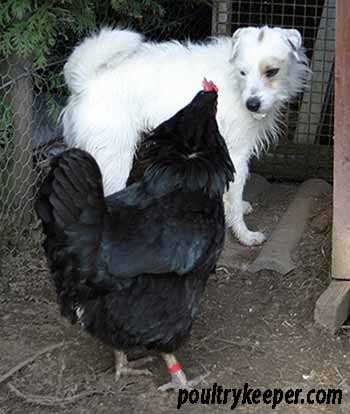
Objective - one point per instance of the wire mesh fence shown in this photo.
(29, 135)
(307, 142)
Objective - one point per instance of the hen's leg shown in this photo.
(178, 377)
(123, 367)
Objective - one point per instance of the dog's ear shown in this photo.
(294, 40)
(235, 41)
(236, 34)
(294, 37)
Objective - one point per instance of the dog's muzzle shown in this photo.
(253, 104)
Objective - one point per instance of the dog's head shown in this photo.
(270, 67)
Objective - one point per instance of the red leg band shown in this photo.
(174, 368)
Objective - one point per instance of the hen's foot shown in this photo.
(123, 367)
(178, 377)
(180, 382)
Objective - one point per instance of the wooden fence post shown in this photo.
(333, 307)
(20, 179)
(222, 17)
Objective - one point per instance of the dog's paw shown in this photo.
(252, 238)
(247, 207)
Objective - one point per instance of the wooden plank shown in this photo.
(222, 18)
(321, 65)
(333, 306)
(341, 194)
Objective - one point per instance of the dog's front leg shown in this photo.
(235, 207)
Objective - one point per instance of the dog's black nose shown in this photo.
(253, 103)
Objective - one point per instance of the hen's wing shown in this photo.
(171, 235)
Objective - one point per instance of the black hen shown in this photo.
(131, 268)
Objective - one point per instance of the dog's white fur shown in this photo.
(121, 85)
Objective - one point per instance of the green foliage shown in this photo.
(45, 31)
(31, 28)
(42, 30)
(36, 30)
(138, 9)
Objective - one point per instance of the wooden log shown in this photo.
(276, 253)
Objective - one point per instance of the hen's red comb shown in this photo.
(209, 86)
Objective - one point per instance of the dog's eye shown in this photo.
(271, 72)
(242, 72)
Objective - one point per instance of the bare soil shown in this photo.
(254, 328)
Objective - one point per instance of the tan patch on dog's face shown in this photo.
(264, 66)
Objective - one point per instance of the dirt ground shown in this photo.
(254, 328)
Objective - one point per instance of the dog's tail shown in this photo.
(106, 48)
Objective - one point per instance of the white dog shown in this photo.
(121, 85)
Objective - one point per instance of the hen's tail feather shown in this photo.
(71, 192)
(71, 207)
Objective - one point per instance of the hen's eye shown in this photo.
(270, 73)
(242, 72)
